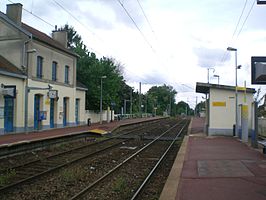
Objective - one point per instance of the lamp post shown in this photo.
(217, 76)
(236, 95)
(208, 78)
(101, 100)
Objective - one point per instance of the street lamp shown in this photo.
(208, 78)
(217, 76)
(101, 100)
(236, 95)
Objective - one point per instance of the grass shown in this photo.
(72, 175)
(4, 178)
(120, 185)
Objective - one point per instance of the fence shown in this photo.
(262, 126)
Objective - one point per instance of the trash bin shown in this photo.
(89, 122)
(234, 130)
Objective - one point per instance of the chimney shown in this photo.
(60, 36)
(14, 12)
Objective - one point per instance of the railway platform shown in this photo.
(18, 138)
(220, 168)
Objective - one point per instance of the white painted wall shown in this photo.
(95, 117)
(222, 118)
(18, 101)
(12, 48)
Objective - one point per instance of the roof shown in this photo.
(81, 86)
(37, 35)
(9, 21)
(42, 37)
(205, 88)
(7, 68)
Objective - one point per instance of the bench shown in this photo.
(263, 143)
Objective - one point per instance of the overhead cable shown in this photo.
(30, 12)
(128, 14)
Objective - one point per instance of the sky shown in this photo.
(158, 42)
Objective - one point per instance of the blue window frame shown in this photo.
(39, 66)
(67, 74)
(54, 71)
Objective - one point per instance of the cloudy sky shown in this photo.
(170, 42)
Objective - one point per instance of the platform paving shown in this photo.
(218, 168)
(10, 138)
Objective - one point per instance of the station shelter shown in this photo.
(221, 108)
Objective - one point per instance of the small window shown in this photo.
(39, 66)
(54, 71)
(67, 74)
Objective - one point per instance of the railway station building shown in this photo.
(37, 77)
(221, 112)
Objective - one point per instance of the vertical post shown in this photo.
(101, 101)
(196, 106)
(140, 99)
(131, 102)
(125, 106)
(236, 96)
(256, 124)
(208, 75)
(170, 106)
(26, 106)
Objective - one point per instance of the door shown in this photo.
(65, 111)
(77, 111)
(9, 114)
(51, 113)
(37, 104)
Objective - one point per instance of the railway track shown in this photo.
(146, 160)
(37, 168)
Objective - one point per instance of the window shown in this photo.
(54, 71)
(67, 74)
(39, 66)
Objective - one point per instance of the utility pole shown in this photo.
(196, 106)
(170, 106)
(140, 99)
(131, 102)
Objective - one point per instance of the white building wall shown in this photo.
(18, 102)
(63, 91)
(222, 118)
(80, 94)
(11, 43)
(12, 48)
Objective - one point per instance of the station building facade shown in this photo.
(42, 72)
(221, 112)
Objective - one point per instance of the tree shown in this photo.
(200, 107)
(90, 69)
(159, 98)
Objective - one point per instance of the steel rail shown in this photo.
(157, 164)
(70, 150)
(2, 189)
(79, 194)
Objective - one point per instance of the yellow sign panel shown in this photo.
(241, 88)
(245, 111)
(219, 103)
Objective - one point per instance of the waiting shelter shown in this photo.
(221, 109)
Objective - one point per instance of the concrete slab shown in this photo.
(222, 168)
